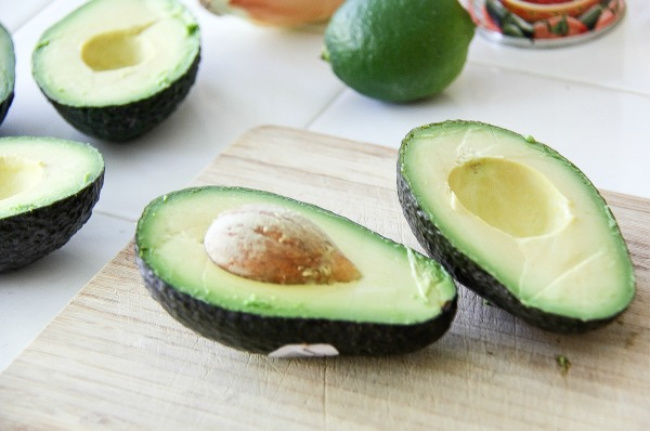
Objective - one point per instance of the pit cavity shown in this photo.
(115, 50)
(17, 175)
(510, 196)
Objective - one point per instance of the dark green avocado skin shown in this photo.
(123, 123)
(264, 334)
(472, 276)
(4, 106)
(29, 236)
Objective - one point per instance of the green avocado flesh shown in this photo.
(48, 188)
(116, 68)
(7, 72)
(398, 287)
(518, 223)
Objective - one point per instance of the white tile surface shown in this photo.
(604, 132)
(32, 296)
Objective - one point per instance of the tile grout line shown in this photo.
(324, 108)
(566, 80)
(114, 215)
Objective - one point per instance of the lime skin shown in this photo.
(398, 50)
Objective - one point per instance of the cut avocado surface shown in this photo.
(115, 69)
(48, 188)
(7, 72)
(389, 299)
(516, 222)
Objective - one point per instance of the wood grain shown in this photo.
(114, 360)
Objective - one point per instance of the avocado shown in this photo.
(258, 272)
(7, 72)
(48, 188)
(115, 69)
(516, 222)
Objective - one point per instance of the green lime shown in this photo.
(398, 50)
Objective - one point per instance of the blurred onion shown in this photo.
(283, 13)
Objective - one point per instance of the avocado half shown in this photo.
(115, 69)
(401, 302)
(516, 222)
(7, 72)
(48, 188)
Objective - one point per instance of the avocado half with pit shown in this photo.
(7, 72)
(516, 222)
(264, 273)
(48, 188)
(115, 69)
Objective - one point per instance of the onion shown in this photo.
(282, 13)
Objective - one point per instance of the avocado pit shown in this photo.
(272, 244)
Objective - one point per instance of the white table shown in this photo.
(591, 102)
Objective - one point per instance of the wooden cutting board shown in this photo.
(113, 359)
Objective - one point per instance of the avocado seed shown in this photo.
(273, 244)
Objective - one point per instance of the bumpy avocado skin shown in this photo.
(4, 106)
(6, 103)
(467, 272)
(29, 236)
(123, 123)
(264, 334)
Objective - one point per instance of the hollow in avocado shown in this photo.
(258, 272)
(115, 69)
(7, 72)
(48, 188)
(516, 222)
